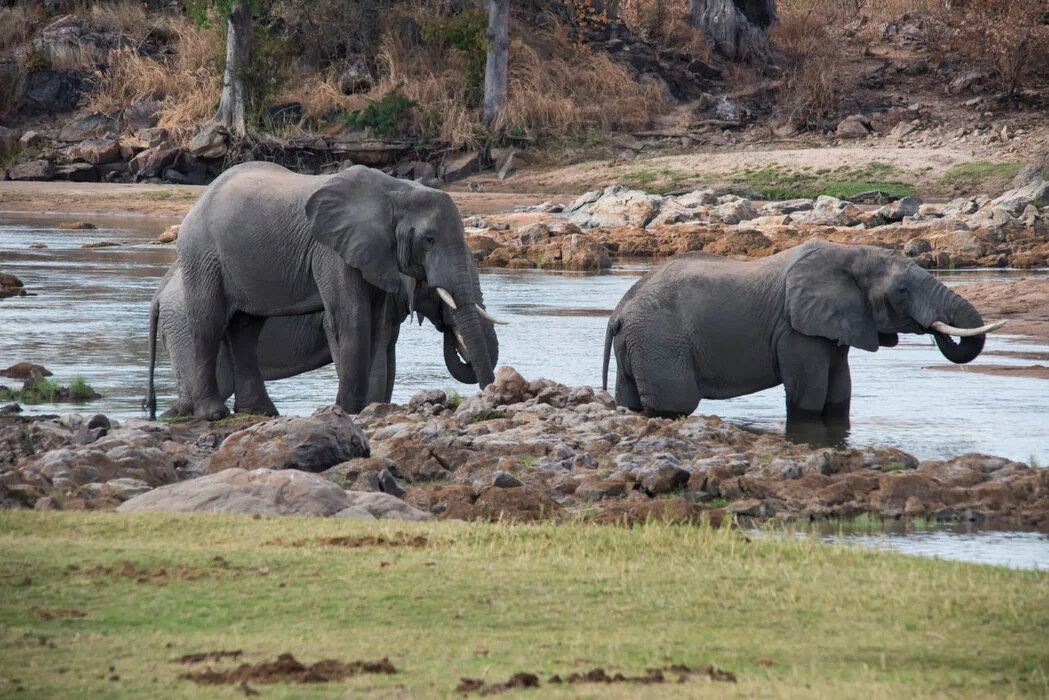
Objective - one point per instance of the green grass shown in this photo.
(780, 182)
(790, 616)
(980, 174)
(49, 391)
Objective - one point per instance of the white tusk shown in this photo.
(489, 317)
(966, 332)
(446, 298)
(462, 343)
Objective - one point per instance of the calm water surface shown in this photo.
(91, 316)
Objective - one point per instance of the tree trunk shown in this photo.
(734, 28)
(233, 105)
(498, 56)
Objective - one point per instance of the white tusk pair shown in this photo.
(447, 299)
(966, 332)
(462, 343)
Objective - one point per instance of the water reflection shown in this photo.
(91, 314)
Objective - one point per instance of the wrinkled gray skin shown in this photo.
(288, 345)
(705, 327)
(263, 241)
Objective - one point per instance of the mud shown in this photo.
(44, 615)
(200, 657)
(1031, 371)
(156, 576)
(286, 669)
(676, 673)
(398, 540)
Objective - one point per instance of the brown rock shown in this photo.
(578, 252)
(33, 170)
(97, 151)
(25, 370)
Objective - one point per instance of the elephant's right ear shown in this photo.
(353, 216)
(824, 300)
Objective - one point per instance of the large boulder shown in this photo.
(580, 253)
(97, 151)
(210, 143)
(313, 444)
(616, 207)
(1015, 201)
(142, 115)
(92, 126)
(152, 161)
(267, 492)
(33, 170)
(49, 92)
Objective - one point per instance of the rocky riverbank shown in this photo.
(519, 451)
(1011, 230)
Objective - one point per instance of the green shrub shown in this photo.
(389, 116)
(465, 33)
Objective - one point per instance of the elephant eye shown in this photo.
(430, 240)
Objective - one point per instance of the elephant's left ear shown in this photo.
(823, 299)
(353, 215)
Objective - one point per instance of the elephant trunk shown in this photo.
(959, 313)
(469, 323)
(461, 371)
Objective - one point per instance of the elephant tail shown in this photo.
(614, 324)
(150, 402)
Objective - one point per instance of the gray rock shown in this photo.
(313, 444)
(663, 478)
(915, 247)
(33, 170)
(425, 396)
(734, 212)
(50, 92)
(77, 172)
(142, 115)
(92, 126)
(1015, 201)
(152, 161)
(356, 78)
(97, 151)
(505, 480)
(381, 506)
(266, 492)
(534, 234)
(896, 211)
(584, 199)
(460, 165)
(127, 488)
(697, 198)
(618, 206)
(854, 127)
(211, 142)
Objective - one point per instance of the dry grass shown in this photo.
(16, 25)
(665, 23)
(125, 16)
(188, 85)
(815, 56)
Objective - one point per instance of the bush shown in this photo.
(813, 66)
(389, 116)
(1010, 37)
(464, 33)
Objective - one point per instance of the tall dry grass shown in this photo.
(16, 24)
(663, 22)
(188, 84)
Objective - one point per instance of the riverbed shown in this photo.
(90, 318)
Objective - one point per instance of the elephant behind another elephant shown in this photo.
(288, 345)
(706, 327)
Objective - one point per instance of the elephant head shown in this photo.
(864, 296)
(386, 227)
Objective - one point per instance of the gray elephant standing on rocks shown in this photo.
(263, 241)
(291, 345)
(705, 327)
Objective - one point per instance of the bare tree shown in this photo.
(233, 105)
(495, 69)
(734, 28)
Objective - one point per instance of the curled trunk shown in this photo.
(469, 324)
(460, 370)
(960, 313)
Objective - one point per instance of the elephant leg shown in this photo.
(347, 300)
(839, 388)
(249, 388)
(384, 335)
(208, 331)
(391, 362)
(804, 363)
(666, 389)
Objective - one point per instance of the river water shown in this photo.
(90, 317)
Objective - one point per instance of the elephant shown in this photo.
(263, 241)
(288, 345)
(705, 327)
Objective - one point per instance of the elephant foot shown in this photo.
(211, 409)
(257, 410)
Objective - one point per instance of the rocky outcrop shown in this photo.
(1010, 230)
(11, 286)
(313, 444)
(268, 492)
(518, 451)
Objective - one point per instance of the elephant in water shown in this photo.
(291, 345)
(705, 327)
(263, 242)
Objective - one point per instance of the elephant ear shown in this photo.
(353, 215)
(823, 299)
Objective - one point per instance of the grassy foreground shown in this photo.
(97, 605)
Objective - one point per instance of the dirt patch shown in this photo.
(398, 540)
(1018, 354)
(1031, 371)
(200, 657)
(286, 669)
(157, 576)
(677, 673)
(44, 615)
